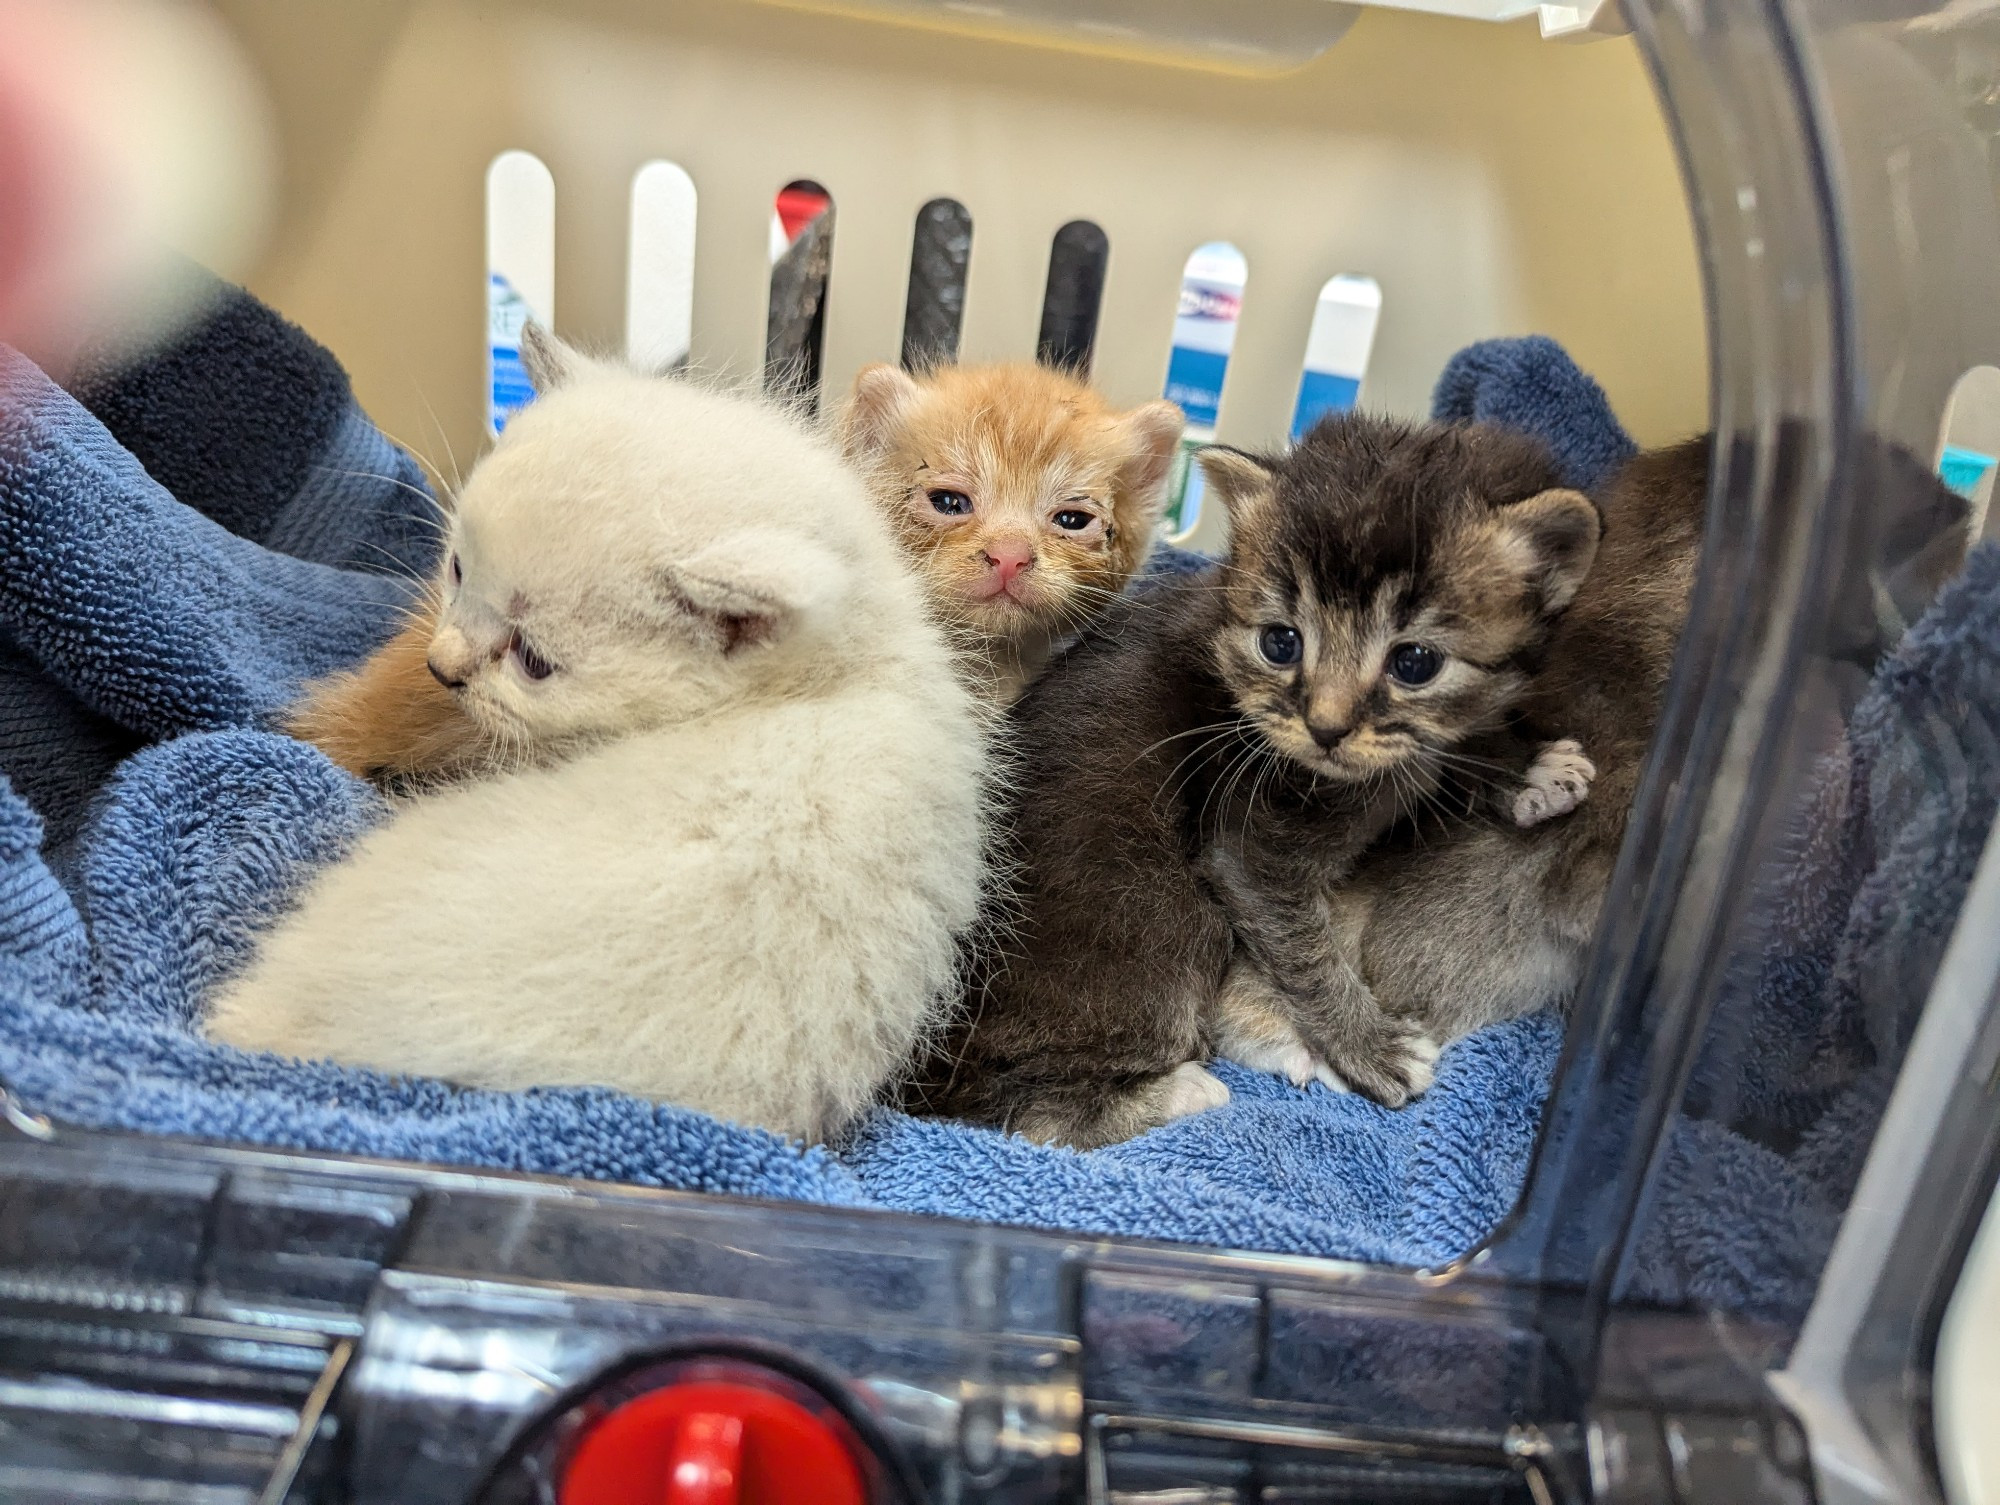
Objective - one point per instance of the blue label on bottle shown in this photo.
(509, 388)
(1962, 470)
(1194, 381)
(1320, 393)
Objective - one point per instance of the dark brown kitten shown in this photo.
(1200, 773)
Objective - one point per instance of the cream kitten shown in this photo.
(739, 883)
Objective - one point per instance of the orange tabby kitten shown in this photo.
(1026, 501)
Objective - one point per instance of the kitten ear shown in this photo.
(877, 406)
(1242, 480)
(1552, 537)
(1150, 435)
(753, 586)
(550, 362)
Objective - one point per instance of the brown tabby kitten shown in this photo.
(1202, 772)
(1026, 499)
(1454, 923)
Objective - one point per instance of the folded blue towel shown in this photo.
(1531, 384)
(249, 422)
(1854, 918)
(245, 418)
(165, 624)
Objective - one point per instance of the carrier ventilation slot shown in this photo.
(520, 274)
(801, 257)
(659, 267)
(934, 310)
(1969, 443)
(659, 309)
(1211, 306)
(1078, 258)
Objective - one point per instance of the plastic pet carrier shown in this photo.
(1732, 1253)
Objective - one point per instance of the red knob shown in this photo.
(709, 1442)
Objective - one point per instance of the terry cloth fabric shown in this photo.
(1851, 924)
(1531, 384)
(127, 616)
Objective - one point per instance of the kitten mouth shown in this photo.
(1343, 763)
(1004, 595)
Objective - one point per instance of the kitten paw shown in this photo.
(1556, 783)
(1191, 1088)
(1398, 1065)
(1328, 1078)
(1289, 1059)
(1424, 1053)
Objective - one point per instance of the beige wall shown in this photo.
(1493, 183)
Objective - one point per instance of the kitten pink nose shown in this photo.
(1010, 557)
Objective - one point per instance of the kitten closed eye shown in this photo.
(532, 663)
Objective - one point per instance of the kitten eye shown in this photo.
(951, 503)
(532, 663)
(457, 574)
(1414, 663)
(1280, 644)
(1074, 519)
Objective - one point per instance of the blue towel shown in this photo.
(246, 420)
(175, 631)
(1854, 917)
(1531, 384)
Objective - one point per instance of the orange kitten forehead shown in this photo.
(1022, 433)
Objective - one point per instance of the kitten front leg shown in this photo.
(1254, 1027)
(1297, 970)
(1258, 1026)
(1556, 783)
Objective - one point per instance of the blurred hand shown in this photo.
(131, 134)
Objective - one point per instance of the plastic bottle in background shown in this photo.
(1337, 349)
(520, 274)
(1204, 334)
(506, 313)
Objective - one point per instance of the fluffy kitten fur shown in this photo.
(740, 884)
(1061, 494)
(1186, 798)
(1454, 924)
(1027, 499)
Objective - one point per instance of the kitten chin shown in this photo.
(1027, 501)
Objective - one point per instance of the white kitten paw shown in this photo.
(1327, 1077)
(1556, 783)
(1192, 1088)
(1288, 1058)
(1422, 1067)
